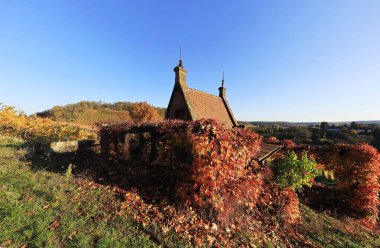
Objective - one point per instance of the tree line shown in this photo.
(325, 134)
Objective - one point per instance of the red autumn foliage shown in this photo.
(211, 168)
(287, 143)
(291, 211)
(356, 169)
(272, 140)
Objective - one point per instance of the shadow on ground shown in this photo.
(88, 162)
(157, 185)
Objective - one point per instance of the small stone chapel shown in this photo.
(190, 104)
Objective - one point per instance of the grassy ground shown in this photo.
(47, 209)
(43, 205)
(325, 231)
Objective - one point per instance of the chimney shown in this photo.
(222, 94)
(222, 90)
(180, 75)
(180, 72)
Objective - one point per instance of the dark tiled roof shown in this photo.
(209, 106)
(267, 150)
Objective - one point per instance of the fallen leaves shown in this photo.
(71, 235)
(6, 243)
(55, 224)
(186, 222)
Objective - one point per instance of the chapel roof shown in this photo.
(209, 106)
(267, 150)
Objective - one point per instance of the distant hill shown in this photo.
(92, 116)
(78, 112)
(292, 124)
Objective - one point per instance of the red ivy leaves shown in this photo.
(222, 179)
(356, 169)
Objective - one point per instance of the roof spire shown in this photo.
(223, 79)
(180, 64)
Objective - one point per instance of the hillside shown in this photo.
(92, 116)
(75, 111)
(45, 204)
(304, 124)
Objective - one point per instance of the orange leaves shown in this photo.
(143, 112)
(55, 224)
(132, 197)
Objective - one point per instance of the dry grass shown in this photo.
(92, 116)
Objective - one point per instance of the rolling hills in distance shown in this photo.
(89, 112)
(305, 124)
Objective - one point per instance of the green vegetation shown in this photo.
(323, 134)
(293, 172)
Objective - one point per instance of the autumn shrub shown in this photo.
(143, 112)
(286, 143)
(208, 167)
(357, 168)
(294, 172)
(272, 140)
(16, 123)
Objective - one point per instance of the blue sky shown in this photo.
(283, 60)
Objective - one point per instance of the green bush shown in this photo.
(293, 172)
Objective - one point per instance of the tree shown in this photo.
(376, 136)
(143, 112)
(293, 172)
(376, 133)
(324, 125)
(354, 125)
(316, 135)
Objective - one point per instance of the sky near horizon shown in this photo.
(283, 60)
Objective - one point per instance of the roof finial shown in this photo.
(180, 64)
(223, 80)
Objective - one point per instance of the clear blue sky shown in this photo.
(283, 60)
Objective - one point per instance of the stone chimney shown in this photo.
(222, 94)
(180, 76)
(222, 90)
(180, 72)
